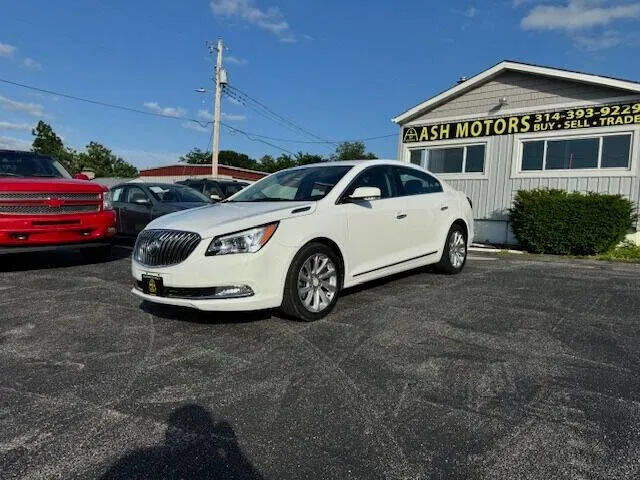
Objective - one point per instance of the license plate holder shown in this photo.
(152, 285)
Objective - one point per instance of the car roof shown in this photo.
(148, 184)
(351, 163)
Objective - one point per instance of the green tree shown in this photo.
(302, 158)
(196, 157)
(352, 151)
(47, 142)
(104, 163)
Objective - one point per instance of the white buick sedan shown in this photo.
(297, 238)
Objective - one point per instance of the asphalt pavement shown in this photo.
(518, 368)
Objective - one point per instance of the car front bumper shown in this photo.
(264, 273)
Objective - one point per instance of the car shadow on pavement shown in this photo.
(169, 312)
(195, 448)
(22, 262)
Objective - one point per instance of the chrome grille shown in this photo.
(47, 210)
(163, 248)
(19, 196)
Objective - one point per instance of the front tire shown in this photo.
(313, 283)
(454, 254)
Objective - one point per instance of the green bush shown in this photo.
(562, 223)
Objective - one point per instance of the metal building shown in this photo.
(519, 126)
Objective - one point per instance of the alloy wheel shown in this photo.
(457, 249)
(317, 282)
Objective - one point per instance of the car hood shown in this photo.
(49, 185)
(179, 206)
(221, 218)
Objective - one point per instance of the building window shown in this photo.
(610, 151)
(463, 159)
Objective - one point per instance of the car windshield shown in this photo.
(26, 164)
(232, 188)
(177, 194)
(299, 184)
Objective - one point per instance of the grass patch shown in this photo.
(627, 252)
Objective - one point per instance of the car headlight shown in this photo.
(246, 241)
(106, 202)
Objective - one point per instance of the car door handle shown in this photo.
(400, 216)
(444, 207)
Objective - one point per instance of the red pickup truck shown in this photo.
(42, 207)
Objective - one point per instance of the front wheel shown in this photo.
(313, 283)
(454, 255)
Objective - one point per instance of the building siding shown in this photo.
(522, 91)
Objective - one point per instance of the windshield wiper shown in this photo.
(7, 174)
(46, 175)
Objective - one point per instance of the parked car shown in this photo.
(42, 207)
(138, 203)
(216, 190)
(296, 238)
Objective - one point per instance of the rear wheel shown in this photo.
(454, 255)
(313, 283)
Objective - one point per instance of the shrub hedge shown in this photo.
(562, 223)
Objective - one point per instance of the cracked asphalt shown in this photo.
(518, 368)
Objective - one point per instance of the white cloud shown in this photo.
(471, 12)
(166, 111)
(205, 115)
(578, 15)
(12, 143)
(233, 118)
(208, 116)
(16, 126)
(196, 127)
(270, 19)
(32, 109)
(236, 60)
(31, 63)
(594, 43)
(6, 50)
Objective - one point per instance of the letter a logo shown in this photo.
(410, 135)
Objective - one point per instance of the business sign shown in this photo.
(571, 119)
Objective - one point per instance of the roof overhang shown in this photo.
(487, 75)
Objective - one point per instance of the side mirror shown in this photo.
(215, 197)
(142, 201)
(365, 194)
(80, 176)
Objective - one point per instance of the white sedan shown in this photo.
(297, 238)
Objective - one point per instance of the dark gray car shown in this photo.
(137, 203)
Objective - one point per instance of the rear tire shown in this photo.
(313, 283)
(454, 254)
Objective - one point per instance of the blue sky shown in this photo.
(341, 69)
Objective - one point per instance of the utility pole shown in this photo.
(216, 109)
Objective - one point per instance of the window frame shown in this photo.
(397, 172)
(458, 143)
(342, 198)
(629, 171)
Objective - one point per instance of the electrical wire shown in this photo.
(284, 119)
(251, 136)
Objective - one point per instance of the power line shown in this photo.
(251, 136)
(284, 119)
(137, 110)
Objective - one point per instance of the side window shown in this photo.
(378, 176)
(134, 194)
(117, 194)
(211, 188)
(415, 182)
